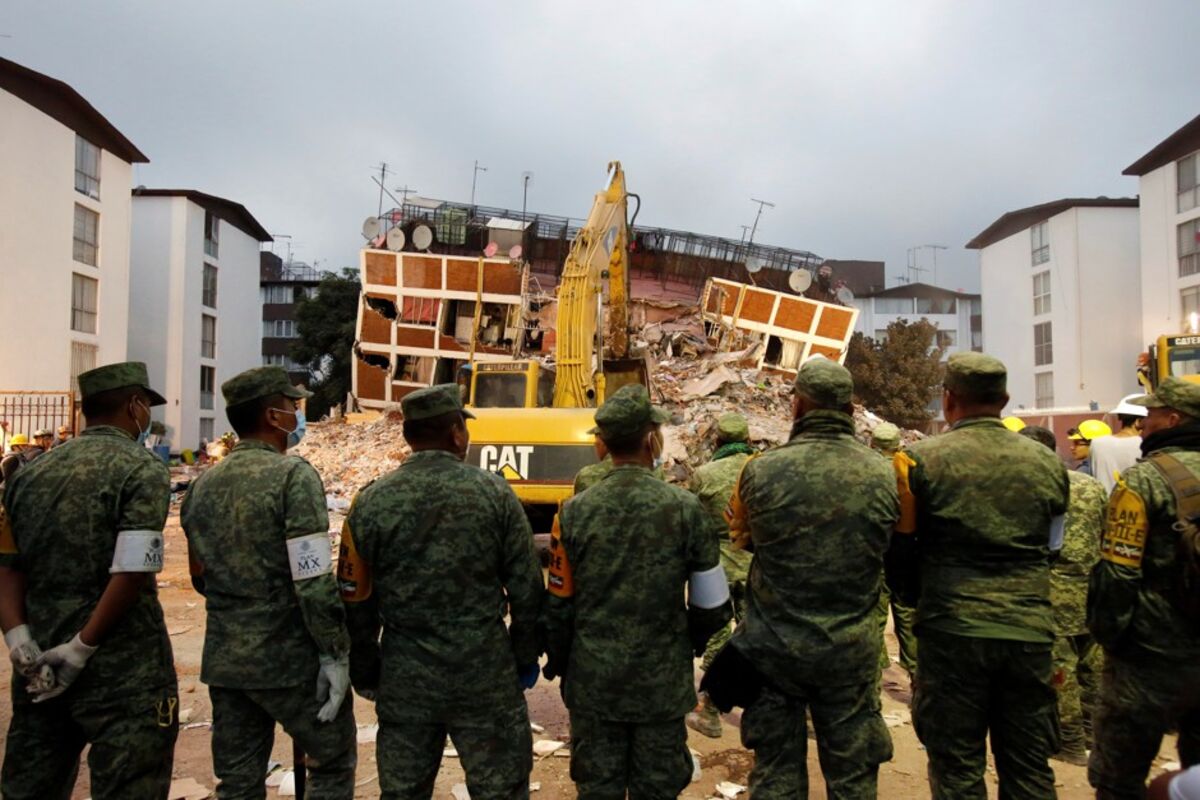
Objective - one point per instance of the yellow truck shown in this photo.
(1170, 355)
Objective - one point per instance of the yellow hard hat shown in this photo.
(1088, 430)
(18, 439)
(1014, 424)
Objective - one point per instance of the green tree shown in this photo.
(897, 377)
(325, 324)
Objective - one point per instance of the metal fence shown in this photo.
(26, 412)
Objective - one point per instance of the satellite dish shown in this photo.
(515, 252)
(491, 249)
(395, 239)
(799, 281)
(845, 295)
(422, 237)
(754, 265)
(370, 228)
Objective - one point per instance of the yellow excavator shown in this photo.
(1170, 355)
(532, 420)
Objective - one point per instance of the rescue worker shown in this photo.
(713, 484)
(1112, 455)
(617, 627)
(77, 576)
(811, 628)
(43, 438)
(590, 475)
(435, 552)
(276, 649)
(64, 436)
(21, 453)
(981, 510)
(1078, 660)
(1144, 604)
(885, 439)
(1081, 442)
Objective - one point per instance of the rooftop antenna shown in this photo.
(526, 179)
(404, 193)
(744, 229)
(754, 227)
(383, 171)
(935, 248)
(475, 174)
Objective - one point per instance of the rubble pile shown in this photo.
(349, 457)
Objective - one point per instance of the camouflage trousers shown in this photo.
(737, 593)
(852, 741)
(1138, 703)
(902, 619)
(968, 688)
(495, 749)
(243, 734)
(649, 760)
(1078, 661)
(132, 746)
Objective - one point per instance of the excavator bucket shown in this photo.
(620, 372)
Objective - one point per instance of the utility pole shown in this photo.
(474, 174)
(754, 228)
(526, 177)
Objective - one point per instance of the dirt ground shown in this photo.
(721, 759)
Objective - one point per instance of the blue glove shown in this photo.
(527, 675)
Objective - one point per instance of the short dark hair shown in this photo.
(1128, 420)
(1040, 434)
(433, 431)
(979, 398)
(625, 445)
(245, 418)
(108, 403)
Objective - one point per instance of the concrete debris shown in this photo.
(287, 786)
(533, 726)
(545, 747)
(459, 790)
(729, 789)
(185, 715)
(535, 786)
(895, 719)
(275, 776)
(349, 457)
(367, 733)
(696, 772)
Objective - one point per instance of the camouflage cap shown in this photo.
(433, 401)
(886, 435)
(260, 382)
(825, 382)
(1175, 393)
(41, 433)
(117, 376)
(733, 428)
(627, 412)
(976, 373)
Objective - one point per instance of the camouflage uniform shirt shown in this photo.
(814, 585)
(66, 509)
(436, 552)
(1080, 551)
(632, 542)
(264, 630)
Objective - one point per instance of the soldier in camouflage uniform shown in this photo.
(435, 552)
(1151, 680)
(275, 646)
(713, 484)
(618, 630)
(885, 439)
(818, 513)
(1077, 658)
(590, 475)
(77, 567)
(981, 510)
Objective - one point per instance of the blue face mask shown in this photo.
(297, 433)
(144, 434)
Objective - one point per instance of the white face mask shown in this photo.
(656, 449)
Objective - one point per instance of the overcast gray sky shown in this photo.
(872, 126)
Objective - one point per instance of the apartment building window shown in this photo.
(1187, 171)
(279, 329)
(285, 295)
(212, 234)
(1040, 243)
(83, 303)
(208, 336)
(1189, 303)
(419, 310)
(208, 379)
(1189, 247)
(893, 305)
(1041, 293)
(83, 358)
(87, 167)
(1043, 389)
(947, 339)
(1043, 344)
(276, 360)
(206, 429)
(209, 295)
(87, 235)
(937, 305)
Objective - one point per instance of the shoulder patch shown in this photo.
(353, 573)
(1125, 528)
(561, 579)
(903, 463)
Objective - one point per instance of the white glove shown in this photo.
(332, 683)
(24, 653)
(67, 661)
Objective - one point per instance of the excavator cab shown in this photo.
(516, 384)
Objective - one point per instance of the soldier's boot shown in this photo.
(1072, 754)
(705, 719)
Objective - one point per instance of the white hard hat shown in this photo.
(1129, 409)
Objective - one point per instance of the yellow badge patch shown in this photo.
(354, 574)
(1125, 528)
(903, 463)
(562, 580)
(8, 545)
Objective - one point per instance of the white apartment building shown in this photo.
(955, 314)
(1062, 305)
(1169, 183)
(194, 282)
(65, 179)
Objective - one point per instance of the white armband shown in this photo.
(1057, 529)
(138, 551)
(708, 589)
(310, 556)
